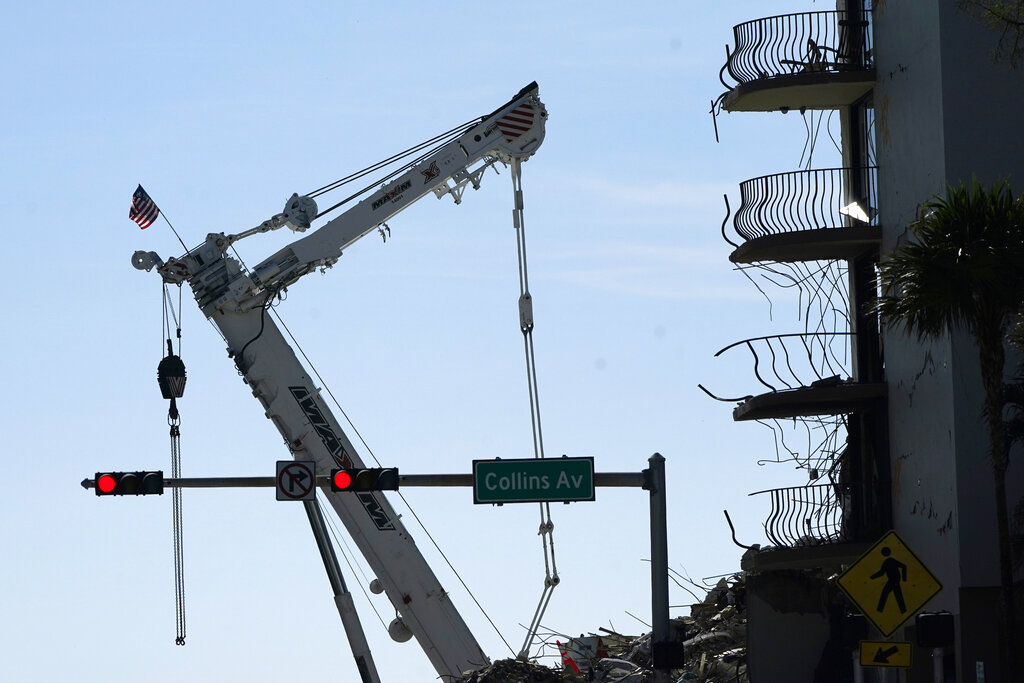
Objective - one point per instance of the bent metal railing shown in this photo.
(807, 200)
(798, 360)
(808, 515)
(800, 43)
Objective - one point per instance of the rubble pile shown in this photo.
(714, 639)
(716, 635)
(516, 671)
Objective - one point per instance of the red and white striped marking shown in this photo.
(517, 121)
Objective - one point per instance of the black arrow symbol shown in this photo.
(882, 656)
(296, 479)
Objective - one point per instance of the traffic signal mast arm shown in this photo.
(236, 302)
(610, 479)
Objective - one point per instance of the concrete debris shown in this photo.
(714, 639)
(716, 635)
(516, 671)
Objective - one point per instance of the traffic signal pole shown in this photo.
(603, 479)
(342, 597)
(666, 654)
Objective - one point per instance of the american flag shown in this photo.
(144, 210)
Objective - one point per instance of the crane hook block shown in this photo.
(170, 375)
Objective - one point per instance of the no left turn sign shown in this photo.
(296, 480)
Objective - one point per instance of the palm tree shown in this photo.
(1006, 17)
(964, 269)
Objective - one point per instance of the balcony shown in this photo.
(814, 215)
(807, 515)
(813, 60)
(810, 526)
(803, 374)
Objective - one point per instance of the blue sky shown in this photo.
(222, 112)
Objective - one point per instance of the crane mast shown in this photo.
(237, 302)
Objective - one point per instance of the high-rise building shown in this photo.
(895, 437)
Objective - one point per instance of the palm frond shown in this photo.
(964, 265)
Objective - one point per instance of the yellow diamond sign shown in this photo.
(889, 584)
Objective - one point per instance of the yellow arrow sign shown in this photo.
(889, 584)
(885, 653)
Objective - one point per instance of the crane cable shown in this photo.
(547, 527)
(443, 138)
(174, 421)
(369, 451)
(438, 141)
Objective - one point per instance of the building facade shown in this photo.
(899, 438)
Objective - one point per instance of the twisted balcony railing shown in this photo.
(806, 200)
(808, 515)
(790, 361)
(800, 43)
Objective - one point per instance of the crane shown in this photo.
(237, 301)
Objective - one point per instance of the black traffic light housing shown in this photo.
(365, 479)
(129, 483)
(935, 629)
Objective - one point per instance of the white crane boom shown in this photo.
(236, 301)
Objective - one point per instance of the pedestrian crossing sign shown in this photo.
(889, 584)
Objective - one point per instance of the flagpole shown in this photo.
(163, 215)
(143, 209)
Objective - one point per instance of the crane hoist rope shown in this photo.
(171, 378)
(440, 139)
(547, 527)
(412, 511)
(350, 559)
(526, 317)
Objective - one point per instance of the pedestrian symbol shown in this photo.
(895, 573)
(889, 584)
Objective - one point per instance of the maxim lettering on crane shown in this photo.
(392, 195)
(376, 512)
(333, 444)
(323, 428)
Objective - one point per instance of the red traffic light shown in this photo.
(105, 483)
(129, 483)
(365, 479)
(341, 481)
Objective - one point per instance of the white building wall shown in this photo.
(909, 139)
(944, 113)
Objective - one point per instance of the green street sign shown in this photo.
(533, 480)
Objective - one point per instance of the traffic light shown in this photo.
(129, 483)
(365, 479)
